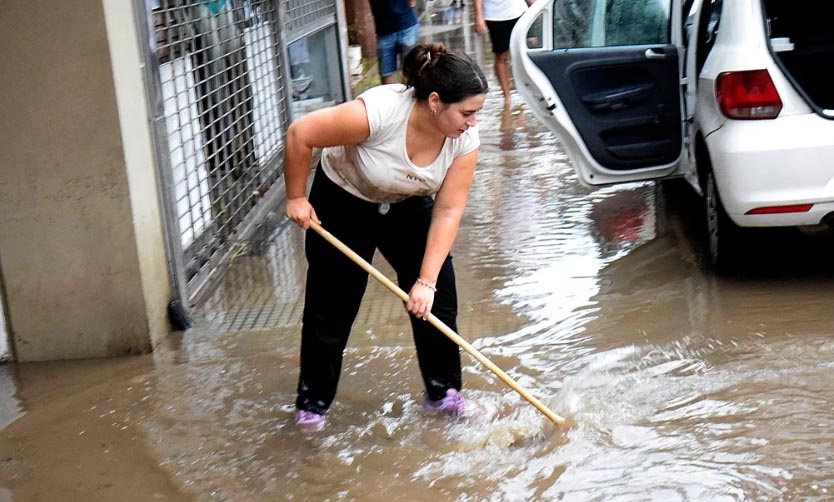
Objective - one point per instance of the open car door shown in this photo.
(605, 76)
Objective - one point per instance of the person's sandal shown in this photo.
(309, 421)
(455, 405)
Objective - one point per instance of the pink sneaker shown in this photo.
(455, 405)
(309, 421)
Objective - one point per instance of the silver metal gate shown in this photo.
(219, 93)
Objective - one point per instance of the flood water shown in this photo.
(676, 384)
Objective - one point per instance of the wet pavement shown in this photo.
(677, 384)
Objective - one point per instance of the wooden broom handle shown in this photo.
(437, 323)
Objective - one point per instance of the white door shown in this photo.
(605, 76)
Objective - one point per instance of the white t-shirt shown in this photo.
(378, 169)
(503, 10)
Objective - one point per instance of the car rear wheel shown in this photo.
(722, 233)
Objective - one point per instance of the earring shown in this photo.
(433, 112)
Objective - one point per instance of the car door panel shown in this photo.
(617, 107)
(624, 106)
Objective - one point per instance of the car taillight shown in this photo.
(748, 95)
(794, 208)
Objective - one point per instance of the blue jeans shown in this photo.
(389, 47)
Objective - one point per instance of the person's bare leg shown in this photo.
(502, 72)
(390, 79)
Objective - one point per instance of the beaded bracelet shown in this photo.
(429, 285)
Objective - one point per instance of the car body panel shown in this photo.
(775, 163)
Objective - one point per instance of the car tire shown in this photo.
(722, 240)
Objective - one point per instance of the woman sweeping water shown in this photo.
(395, 171)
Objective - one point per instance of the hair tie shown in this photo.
(426, 63)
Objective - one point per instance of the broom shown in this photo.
(437, 323)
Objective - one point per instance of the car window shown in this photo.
(610, 23)
(707, 31)
(688, 25)
(688, 21)
(534, 34)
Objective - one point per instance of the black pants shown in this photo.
(335, 286)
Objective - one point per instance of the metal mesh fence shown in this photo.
(299, 15)
(225, 110)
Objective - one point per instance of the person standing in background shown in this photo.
(396, 32)
(499, 17)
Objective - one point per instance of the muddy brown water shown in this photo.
(677, 384)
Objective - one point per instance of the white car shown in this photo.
(734, 95)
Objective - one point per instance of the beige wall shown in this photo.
(81, 245)
(4, 340)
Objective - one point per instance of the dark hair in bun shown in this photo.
(431, 68)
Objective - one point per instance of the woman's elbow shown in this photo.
(296, 139)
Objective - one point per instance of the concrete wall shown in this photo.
(81, 246)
